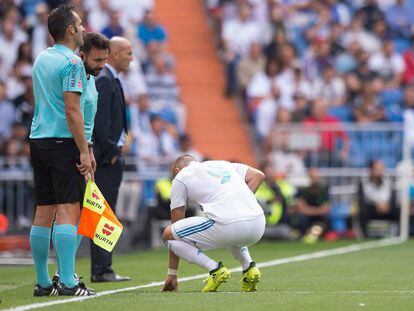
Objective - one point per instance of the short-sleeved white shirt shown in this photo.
(386, 66)
(220, 189)
(240, 35)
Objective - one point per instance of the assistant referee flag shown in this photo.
(98, 222)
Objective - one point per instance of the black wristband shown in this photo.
(90, 145)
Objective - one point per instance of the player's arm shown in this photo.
(253, 177)
(176, 215)
(171, 282)
(75, 120)
(76, 126)
(72, 87)
(89, 117)
(178, 201)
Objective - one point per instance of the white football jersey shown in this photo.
(220, 189)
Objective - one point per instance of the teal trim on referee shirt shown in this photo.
(56, 70)
(195, 229)
(90, 100)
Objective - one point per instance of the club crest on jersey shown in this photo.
(219, 173)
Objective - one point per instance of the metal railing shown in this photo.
(343, 144)
(343, 151)
(17, 187)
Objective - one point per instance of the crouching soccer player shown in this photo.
(233, 219)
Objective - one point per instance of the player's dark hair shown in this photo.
(60, 19)
(94, 40)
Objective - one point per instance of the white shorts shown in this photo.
(206, 234)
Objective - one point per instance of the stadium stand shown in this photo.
(351, 54)
(324, 84)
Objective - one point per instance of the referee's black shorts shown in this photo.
(57, 180)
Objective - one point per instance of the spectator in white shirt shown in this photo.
(250, 65)
(358, 33)
(388, 64)
(10, 38)
(140, 124)
(40, 34)
(331, 87)
(238, 35)
(261, 83)
(291, 83)
(158, 148)
(15, 85)
(7, 114)
(266, 112)
(98, 16)
(161, 82)
(132, 11)
(133, 82)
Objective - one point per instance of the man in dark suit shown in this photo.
(109, 136)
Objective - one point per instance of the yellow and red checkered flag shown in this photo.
(98, 222)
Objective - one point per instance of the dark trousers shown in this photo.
(108, 179)
(368, 212)
(304, 223)
(231, 73)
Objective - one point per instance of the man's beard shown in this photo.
(91, 71)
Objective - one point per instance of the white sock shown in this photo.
(241, 254)
(192, 254)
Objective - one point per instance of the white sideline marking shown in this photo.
(277, 262)
(350, 292)
(333, 292)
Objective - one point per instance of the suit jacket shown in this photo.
(110, 118)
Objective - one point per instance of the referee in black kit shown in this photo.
(109, 136)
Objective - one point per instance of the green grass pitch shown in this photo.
(375, 279)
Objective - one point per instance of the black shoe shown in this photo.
(77, 290)
(77, 280)
(56, 278)
(83, 285)
(109, 277)
(52, 290)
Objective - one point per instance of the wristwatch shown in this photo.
(90, 145)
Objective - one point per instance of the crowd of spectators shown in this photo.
(353, 59)
(310, 75)
(155, 113)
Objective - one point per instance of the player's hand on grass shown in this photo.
(85, 166)
(170, 284)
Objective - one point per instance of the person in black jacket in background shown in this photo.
(109, 136)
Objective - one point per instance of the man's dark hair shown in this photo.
(372, 163)
(184, 138)
(94, 40)
(60, 19)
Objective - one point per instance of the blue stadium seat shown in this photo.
(394, 113)
(401, 44)
(391, 97)
(344, 113)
